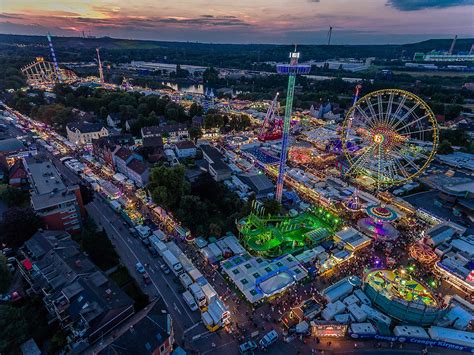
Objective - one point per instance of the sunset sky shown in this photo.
(243, 21)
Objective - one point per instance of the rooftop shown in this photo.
(85, 127)
(152, 326)
(137, 166)
(43, 175)
(185, 145)
(75, 285)
(155, 130)
(10, 145)
(257, 182)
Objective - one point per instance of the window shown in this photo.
(244, 281)
(248, 266)
(256, 275)
(279, 264)
(268, 269)
(235, 271)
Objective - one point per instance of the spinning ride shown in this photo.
(402, 297)
(397, 134)
(378, 224)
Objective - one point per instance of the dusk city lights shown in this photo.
(236, 177)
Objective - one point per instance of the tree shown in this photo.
(5, 276)
(215, 230)
(87, 194)
(14, 326)
(210, 76)
(445, 147)
(14, 197)
(195, 110)
(272, 207)
(167, 185)
(192, 211)
(195, 133)
(14, 236)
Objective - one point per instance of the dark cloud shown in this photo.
(10, 16)
(205, 20)
(414, 5)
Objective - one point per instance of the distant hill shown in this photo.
(235, 55)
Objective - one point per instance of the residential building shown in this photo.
(152, 149)
(138, 172)
(173, 132)
(104, 148)
(60, 206)
(17, 175)
(153, 326)
(113, 120)
(85, 302)
(122, 157)
(215, 165)
(131, 165)
(185, 149)
(81, 133)
(129, 124)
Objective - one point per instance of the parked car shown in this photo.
(248, 348)
(140, 268)
(268, 339)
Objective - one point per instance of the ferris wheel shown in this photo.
(395, 135)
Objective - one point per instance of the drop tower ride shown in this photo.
(291, 70)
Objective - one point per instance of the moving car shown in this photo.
(140, 268)
(165, 269)
(146, 279)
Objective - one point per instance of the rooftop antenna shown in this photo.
(56, 66)
(329, 35)
(101, 71)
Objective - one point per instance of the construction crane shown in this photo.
(291, 70)
(270, 129)
(452, 45)
(56, 66)
(329, 35)
(101, 71)
(471, 51)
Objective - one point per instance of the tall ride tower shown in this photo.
(291, 70)
(53, 56)
(101, 70)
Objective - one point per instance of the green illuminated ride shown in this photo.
(272, 236)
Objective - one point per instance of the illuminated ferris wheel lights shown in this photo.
(393, 126)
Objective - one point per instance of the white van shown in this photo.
(190, 301)
(186, 281)
(199, 296)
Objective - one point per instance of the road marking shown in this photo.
(176, 308)
(192, 327)
(220, 346)
(197, 336)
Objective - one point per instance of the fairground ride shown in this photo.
(291, 70)
(397, 133)
(272, 236)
